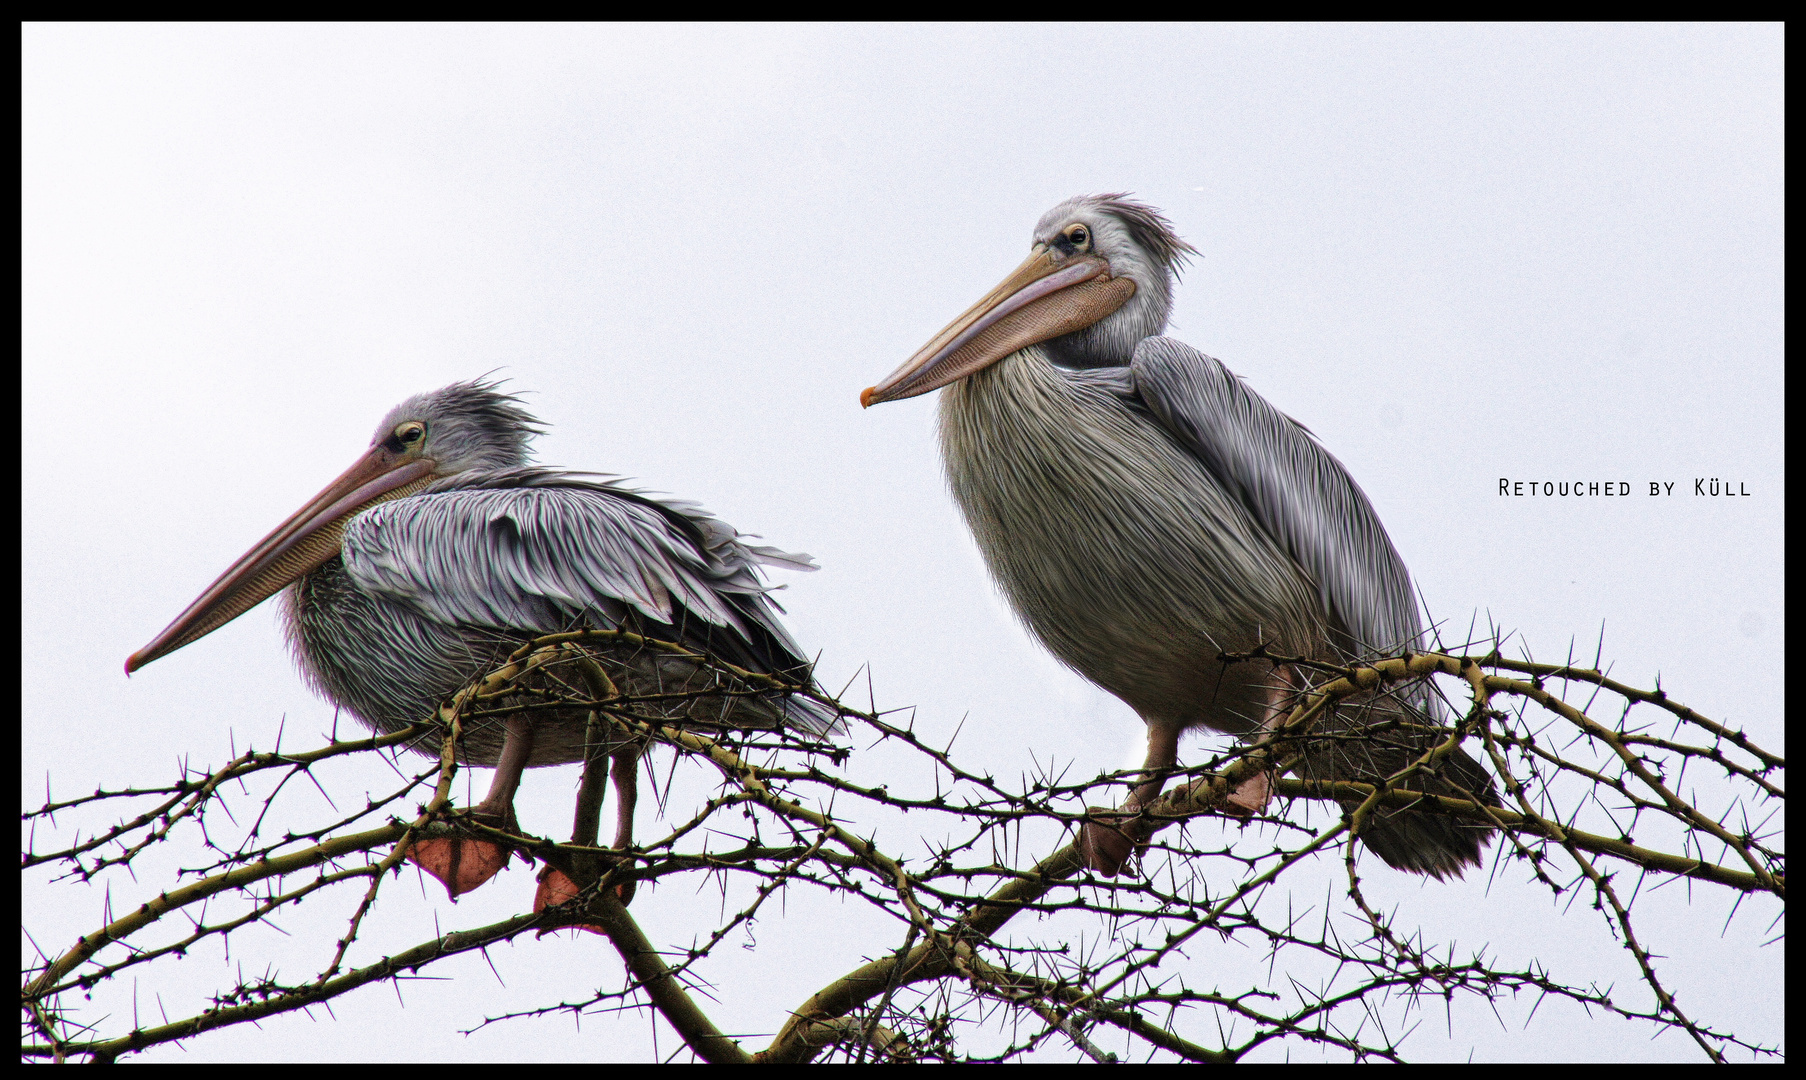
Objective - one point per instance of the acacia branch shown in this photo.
(954, 965)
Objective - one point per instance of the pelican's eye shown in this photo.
(1078, 236)
(410, 434)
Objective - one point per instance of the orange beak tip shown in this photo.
(865, 397)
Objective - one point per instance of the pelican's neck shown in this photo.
(1027, 403)
(1012, 419)
(1025, 383)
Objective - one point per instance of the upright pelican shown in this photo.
(440, 550)
(1146, 512)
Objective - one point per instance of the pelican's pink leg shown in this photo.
(627, 793)
(1107, 848)
(1252, 795)
(463, 865)
(555, 886)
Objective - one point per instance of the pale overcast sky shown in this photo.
(1457, 254)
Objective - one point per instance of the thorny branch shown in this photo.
(1106, 956)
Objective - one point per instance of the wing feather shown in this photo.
(1295, 488)
(538, 551)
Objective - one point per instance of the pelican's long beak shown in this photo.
(1046, 297)
(300, 544)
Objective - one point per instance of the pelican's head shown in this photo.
(1098, 279)
(464, 427)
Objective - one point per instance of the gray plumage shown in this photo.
(1144, 511)
(436, 588)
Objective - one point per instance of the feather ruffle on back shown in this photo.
(511, 553)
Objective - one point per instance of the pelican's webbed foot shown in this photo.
(462, 864)
(556, 887)
(1105, 842)
(1251, 796)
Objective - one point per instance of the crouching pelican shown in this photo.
(441, 550)
(1145, 512)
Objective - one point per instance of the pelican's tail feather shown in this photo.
(1372, 741)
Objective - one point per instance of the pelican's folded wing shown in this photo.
(543, 551)
(1295, 488)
